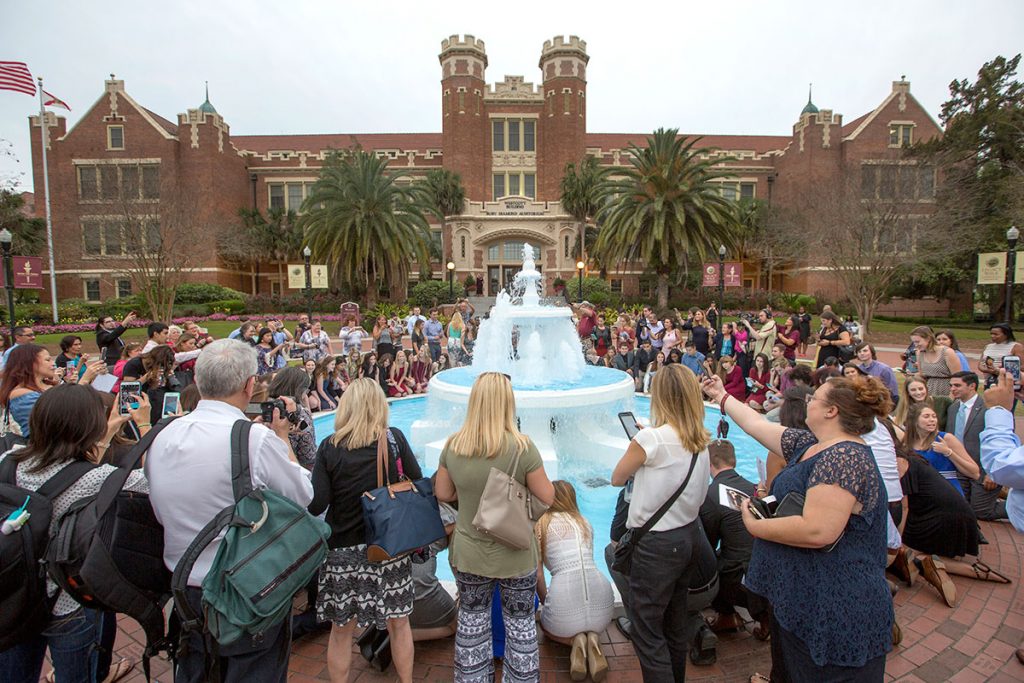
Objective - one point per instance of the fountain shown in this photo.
(567, 407)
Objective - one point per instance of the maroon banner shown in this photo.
(733, 274)
(28, 272)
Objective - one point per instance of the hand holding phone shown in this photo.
(1012, 366)
(127, 396)
(629, 424)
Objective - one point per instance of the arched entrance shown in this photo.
(503, 259)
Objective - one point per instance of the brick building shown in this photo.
(509, 140)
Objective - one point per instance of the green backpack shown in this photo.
(271, 550)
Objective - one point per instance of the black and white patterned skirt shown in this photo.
(370, 592)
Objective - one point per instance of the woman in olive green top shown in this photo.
(489, 438)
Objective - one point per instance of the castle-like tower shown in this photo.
(464, 124)
(563, 63)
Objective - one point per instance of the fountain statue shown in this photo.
(567, 407)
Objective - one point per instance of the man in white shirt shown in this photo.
(410, 320)
(157, 333)
(189, 472)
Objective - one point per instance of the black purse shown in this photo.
(622, 560)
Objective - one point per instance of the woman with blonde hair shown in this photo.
(915, 390)
(669, 458)
(353, 590)
(489, 438)
(578, 605)
(456, 340)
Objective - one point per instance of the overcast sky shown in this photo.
(348, 67)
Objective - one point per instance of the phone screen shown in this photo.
(172, 401)
(124, 396)
(1012, 366)
(628, 421)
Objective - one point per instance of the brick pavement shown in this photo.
(972, 642)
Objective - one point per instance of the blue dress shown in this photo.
(943, 464)
(21, 408)
(837, 603)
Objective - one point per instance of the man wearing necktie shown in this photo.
(966, 414)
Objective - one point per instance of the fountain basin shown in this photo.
(595, 386)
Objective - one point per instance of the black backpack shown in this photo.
(107, 552)
(24, 606)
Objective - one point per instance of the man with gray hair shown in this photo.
(189, 471)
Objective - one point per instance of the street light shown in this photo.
(721, 286)
(306, 253)
(580, 265)
(451, 279)
(5, 242)
(1011, 266)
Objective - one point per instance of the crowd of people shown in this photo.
(875, 480)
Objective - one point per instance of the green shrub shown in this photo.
(430, 293)
(201, 293)
(595, 290)
(229, 306)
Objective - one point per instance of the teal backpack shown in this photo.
(271, 550)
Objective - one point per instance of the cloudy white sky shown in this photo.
(306, 66)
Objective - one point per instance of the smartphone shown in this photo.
(172, 402)
(1012, 366)
(628, 421)
(124, 396)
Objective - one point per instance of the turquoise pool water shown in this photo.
(592, 377)
(595, 495)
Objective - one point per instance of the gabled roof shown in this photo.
(262, 144)
(170, 127)
(167, 129)
(853, 125)
(760, 144)
(854, 128)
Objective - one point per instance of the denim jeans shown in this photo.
(659, 583)
(72, 640)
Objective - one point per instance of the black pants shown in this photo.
(792, 663)
(659, 582)
(731, 593)
(246, 661)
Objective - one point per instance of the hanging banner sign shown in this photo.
(28, 272)
(992, 268)
(733, 274)
(297, 276)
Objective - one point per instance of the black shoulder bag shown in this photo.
(623, 559)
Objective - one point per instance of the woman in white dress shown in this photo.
(579, 603)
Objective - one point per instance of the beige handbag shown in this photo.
(508, 511)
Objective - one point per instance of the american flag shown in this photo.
(16, 76)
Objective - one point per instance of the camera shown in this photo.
(748, 317)
(267, 413)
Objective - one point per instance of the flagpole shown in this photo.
(46, 192)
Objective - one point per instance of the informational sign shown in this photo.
(733, 274)
(297, 276)
(992, 268)
(350, 308)
(28, 272)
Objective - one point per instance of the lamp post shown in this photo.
(451, 279)
(306, 253)
(721, 286)
(5, 243)
(1011, 267)
(580, 265)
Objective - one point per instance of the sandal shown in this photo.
(983, 572)
(118, 671)
(760, 678)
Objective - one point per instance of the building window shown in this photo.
(115, 137)
(118, 236)
(499, 135)
(294, 196)
(747, 190)
(616, 285)
(734, 191)
(289, 196)
(462, 245)
(901, 134)
(277, 196)
(901, 182)
(92, 290)
(130, 182)
(513, 135)
(515, 185)
(124, 288)
(566, 253)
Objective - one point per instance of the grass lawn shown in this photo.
(218, 328)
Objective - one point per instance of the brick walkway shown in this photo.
(973, 642)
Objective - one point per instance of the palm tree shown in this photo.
(365, 224)
(581, 196)
(665, 208)
(29, 233)
(445, 196)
